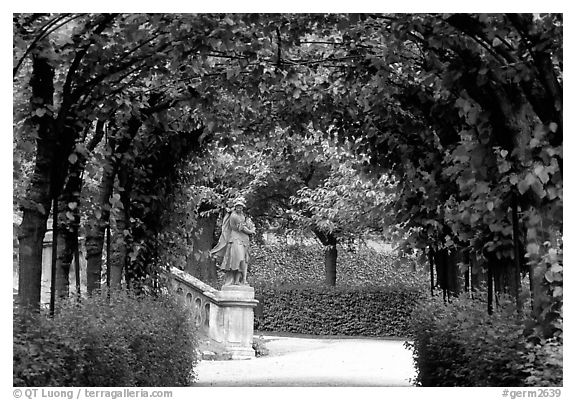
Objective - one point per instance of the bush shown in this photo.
(544, 363)
(325, 310)
(279, 265)
(459, 344)
(121, 340)
(374, 292)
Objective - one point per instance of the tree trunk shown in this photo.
(517, 260)
(454, 275)
(329, 241)
(119, 251)
(447, 273)
(200, 264)
(107, 234)
(498, 269)
(532, 287)
(464, 258)
(67, 243)
(77, 265)
(330, 257)
(490, 288)
(119, 246)
(69, 218)
(36, 206)
(431, 264)
(440, 262)
(67, 232)
(96, 229)
(55, 214)
(475, 273)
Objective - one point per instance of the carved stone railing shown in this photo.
(196, 294)
(226, 316)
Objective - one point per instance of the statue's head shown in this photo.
(239, 204)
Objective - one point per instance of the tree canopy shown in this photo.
(459, 116)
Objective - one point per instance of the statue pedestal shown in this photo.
(232, 321)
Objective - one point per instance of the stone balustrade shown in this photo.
(196, 294)
(226, 316)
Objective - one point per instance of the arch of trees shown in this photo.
(452, 121)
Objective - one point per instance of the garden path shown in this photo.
(298, 360)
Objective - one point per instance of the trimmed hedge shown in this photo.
(459, 344)
(124, 340)
(374, 293)
(324, 310)
(279, 265)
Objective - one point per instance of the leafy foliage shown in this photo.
(548, 267)
(544, 363)
(121, 340)
(457, 344)
(345, 202)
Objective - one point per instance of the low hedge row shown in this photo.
(325, 310)
(459, 344)
(121, 340)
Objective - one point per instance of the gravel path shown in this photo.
(304, 361)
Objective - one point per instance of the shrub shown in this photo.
(117, 340)
(374, 293)
(279, 265)
(544, 363)
(325, 310)
(459, 344)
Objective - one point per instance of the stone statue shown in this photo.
(234, 243)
